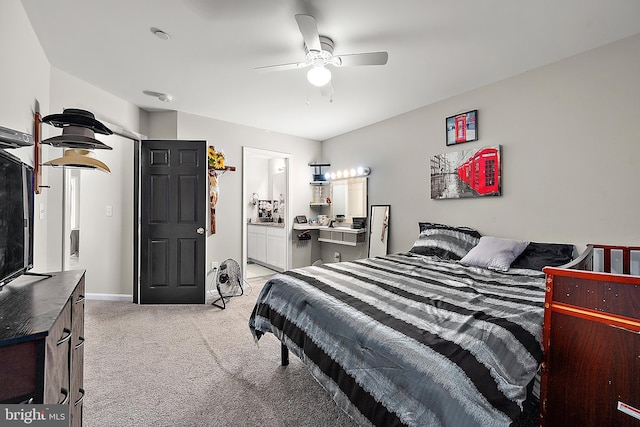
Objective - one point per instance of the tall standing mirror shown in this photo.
(379, 230)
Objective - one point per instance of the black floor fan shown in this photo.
(228, 282)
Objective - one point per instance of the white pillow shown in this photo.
(494, 253)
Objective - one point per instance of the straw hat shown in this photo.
(78, 158)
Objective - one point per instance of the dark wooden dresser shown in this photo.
(41, 341)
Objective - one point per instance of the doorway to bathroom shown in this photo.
(266, 220)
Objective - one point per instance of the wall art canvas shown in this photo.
(467, 173)
(462, 127)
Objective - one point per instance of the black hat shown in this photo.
(76, 137)
(77, 117)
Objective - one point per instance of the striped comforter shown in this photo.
(407, 339)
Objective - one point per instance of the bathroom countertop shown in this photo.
(268, 224)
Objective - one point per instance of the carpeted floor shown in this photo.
(193, 365)
(197, 365)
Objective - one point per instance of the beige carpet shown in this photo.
(193, 365)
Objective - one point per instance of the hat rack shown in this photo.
(37, 153)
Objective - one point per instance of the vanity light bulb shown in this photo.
(327, 175)
(345, 173)
(339, 174)
(352, 172)
(360, 170)
(333, 175)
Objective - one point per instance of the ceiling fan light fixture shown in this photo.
(319, 76)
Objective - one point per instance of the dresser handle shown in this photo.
(77, 402)
(80, 343)
(66, 338)
(65, 392)
(80, 299)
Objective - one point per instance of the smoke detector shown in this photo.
(164, 97)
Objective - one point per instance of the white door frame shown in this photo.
(248, 152)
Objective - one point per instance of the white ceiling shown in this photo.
(437, 49)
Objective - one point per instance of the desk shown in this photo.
(339, 235)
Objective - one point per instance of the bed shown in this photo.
(447, 333)
(592, 340)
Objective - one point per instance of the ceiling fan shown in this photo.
(319, 54)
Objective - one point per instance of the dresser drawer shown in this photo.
(57, 360)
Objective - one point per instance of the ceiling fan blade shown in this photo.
(309, 30)
(372, 58)
(282, 67)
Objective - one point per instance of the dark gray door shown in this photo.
(173, 219)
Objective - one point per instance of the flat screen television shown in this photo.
(16, 217)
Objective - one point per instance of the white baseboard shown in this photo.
(110, 297)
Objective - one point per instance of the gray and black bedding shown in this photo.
(411, 338)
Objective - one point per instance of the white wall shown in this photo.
(24, 82)
(106, 242)
(230, 137)
(28, 79)
(571, 154)
(160, 124)
(257, 182)
(570, 149)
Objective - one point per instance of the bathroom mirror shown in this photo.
(349, 198)
(379, 230)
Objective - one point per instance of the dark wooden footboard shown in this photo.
(591, 340)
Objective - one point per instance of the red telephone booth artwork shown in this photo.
(485, 172)
(467, 173)
(462, 127)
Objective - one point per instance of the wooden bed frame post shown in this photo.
(284, 354)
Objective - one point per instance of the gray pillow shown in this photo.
(494, 253)
(445, 241)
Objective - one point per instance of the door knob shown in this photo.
(200, 230)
